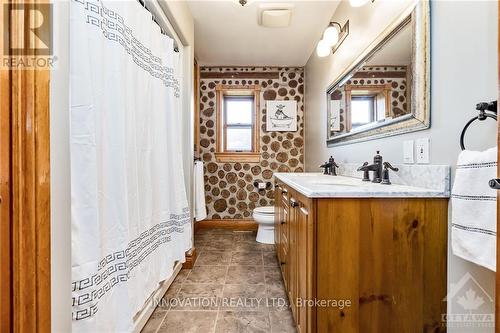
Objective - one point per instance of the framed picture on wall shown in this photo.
(335, 115)
(281, 116)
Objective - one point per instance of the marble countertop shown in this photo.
(317, 185)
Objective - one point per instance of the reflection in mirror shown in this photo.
(386, 90)
(376, 92)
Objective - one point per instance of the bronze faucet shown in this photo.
(380, 170)
(330, 167)
(376, 167)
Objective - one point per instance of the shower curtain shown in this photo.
(130, 218)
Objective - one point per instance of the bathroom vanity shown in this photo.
(361, 257)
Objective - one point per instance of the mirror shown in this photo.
(386, 90)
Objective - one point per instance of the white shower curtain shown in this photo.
(130, 218)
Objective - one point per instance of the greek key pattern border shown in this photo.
(114, 28)
(116, 267)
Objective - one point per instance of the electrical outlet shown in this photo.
(408, 154)
(422, 147)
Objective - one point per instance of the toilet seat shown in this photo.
(264, 210)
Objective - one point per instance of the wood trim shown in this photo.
(377, 74)
(191, 257)
(384, 89)
(497, 274)
(5, 189)
(230, 224)
(238, 157)
(30, 193)
(142, 318)
(220, 154)
(196, 91)
(235, 75)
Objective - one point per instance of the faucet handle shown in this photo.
(388, 165)
(333, 166)
(326, 166)
(363, 167)
(385, 173)
(366, 172)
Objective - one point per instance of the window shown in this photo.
(237, 124)
(366, 104)
(363, 110)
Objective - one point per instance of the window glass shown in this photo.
(239, 110)
(361, 111)
(239, 139)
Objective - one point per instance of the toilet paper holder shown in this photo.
(261, 185)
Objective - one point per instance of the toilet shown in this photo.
(264, 216)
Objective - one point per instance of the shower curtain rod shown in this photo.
(143, 4)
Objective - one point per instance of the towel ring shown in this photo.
(482, 116)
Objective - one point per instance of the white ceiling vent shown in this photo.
(275, 15)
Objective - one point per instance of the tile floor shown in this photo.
(234, 287)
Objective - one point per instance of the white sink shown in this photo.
(334, 183)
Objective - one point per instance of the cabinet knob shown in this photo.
(283, 222)
(282, 263)
(294, 203)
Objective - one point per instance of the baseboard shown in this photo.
(230, 224)
(142, 317)
(191, 256)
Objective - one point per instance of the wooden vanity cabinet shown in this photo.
(294, 248)
(387, 256)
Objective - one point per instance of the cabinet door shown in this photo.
(278, 215)
(292, 255)
(284, 246)
(304, 265)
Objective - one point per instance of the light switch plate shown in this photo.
(422, 147)
(408, 152)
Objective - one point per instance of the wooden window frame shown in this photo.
(384, 89)
(226, 126)
(221, 154)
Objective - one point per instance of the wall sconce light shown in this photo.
(359, 3)
(333, 36)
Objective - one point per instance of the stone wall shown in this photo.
(229, 189)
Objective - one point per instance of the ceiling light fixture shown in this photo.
(243, 2)
(323, 49)
(359, 3)
(333, 36)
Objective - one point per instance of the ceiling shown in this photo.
(397, 51)
(228, 34)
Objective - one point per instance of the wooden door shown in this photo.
(24, 184)
(497, 284)
(5, 192)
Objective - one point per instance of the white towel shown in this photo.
(199, 192)
(474, 208)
